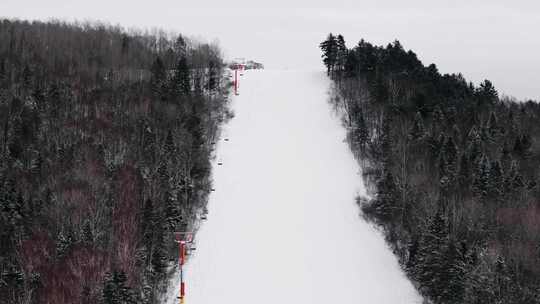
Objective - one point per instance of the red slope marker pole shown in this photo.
(182, 257)
(182, 238)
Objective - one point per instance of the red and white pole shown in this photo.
(183, 239)
(182, 257)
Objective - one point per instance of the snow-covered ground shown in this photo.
(283, 226)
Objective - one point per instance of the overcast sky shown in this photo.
(498, 40)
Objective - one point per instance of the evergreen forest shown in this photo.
(106, 136)
(452, 169)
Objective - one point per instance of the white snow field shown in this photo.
(283, 226)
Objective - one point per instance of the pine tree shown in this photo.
(63, 244)
(493, 126)
(386, 142)
(386, 200)
(518, 147)
(159, 76)
(352, 63)
(451, 154)
(3, 70)
(361, 130)
(329, 48)
(513, 181)
(115, 289)
(438, 117)
(148, 223)
(147, 219)
(85, 295)
(87, 234)
(444, 176)
(456, 134)
(27, 77)
(431, 257)
(125, 44)
(451, 118)
(496, 180)
(503, 278)
(163, 175)
(506, 157)
(148, 144)
(412, 256)
(481, 284)
(180, 46)
(474, 146)
(159, 254)
(170, 147)
(484, 134)
(12, 204)
(341, 53)
(37, 165)
(464, 174)
(10, 215)
(481, 177)
(16, 145)
(13, 277)
(452, 275)
(436, 145)
(418, 131)
(512, 127)
(172, 210)
(213, 76)
(518, 183)
(29, 212)
(198, 84)
(379, 90)
(182, 78)
(486, 93)
(526, 144)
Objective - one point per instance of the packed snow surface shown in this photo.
(283, 226)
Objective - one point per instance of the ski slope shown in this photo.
(283, 226)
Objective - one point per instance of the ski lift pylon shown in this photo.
(183, 236)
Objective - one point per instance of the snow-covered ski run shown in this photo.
(283, 226)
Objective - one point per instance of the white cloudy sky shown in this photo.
(496, 39)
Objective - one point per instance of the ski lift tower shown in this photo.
(185, 241)
(237, 67)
